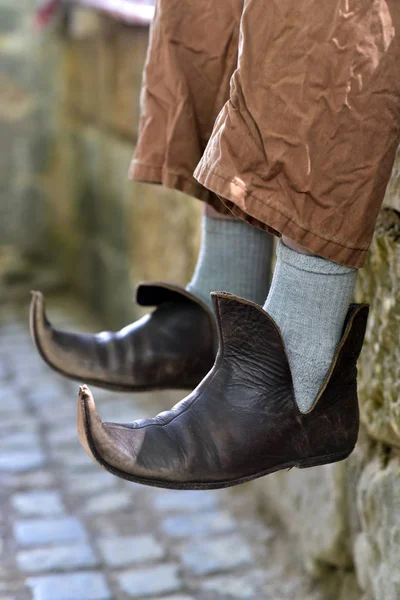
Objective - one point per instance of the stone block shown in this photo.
(11, 422)
(86, 145)
(96, 191)
(57, 558)
(89, 483)
(164, 234)
(41, 147)
(173, 598)
(187, 501)
(68, 193)
(379, 365)
(198, 524)
(103, 71)
(81, 72)
(204, 557)
(120, 232)
(72, 457)
(108, 503)
(130, 56)
(37, 532)
(36, 479)
(22, 440)
(48, 394)
(113, 290)
(15, 461)
(84, 23)
(312, 505)
(377, 545)
(35, 503)
(141, 583)
(65, 434)
(392, 196)
(113, 193)
(10, 19)
(235, 586)
(87, 585)
(121, 551)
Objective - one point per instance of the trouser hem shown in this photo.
(262, 213)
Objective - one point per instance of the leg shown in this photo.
(234, 257)
(192, 54)
(304, 147)
(306, 143)
(320, 114)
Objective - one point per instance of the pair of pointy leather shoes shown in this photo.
(240, 422)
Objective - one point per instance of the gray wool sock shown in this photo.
(309, 299)
(234, 257)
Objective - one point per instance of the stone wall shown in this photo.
(70, 127)
(114, 233)
(347, 515)
(27, 125)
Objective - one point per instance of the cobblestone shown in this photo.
(74, 586)
(107, 503)
(17, 422)
(173, 598)
(124, 551)
(35, 532)
(57, 558)
(19, 461)
(220, 554)
(149, 582)
(20, 439)
(38, 503)
(70, 531)
(71, 457)
(176, 501)
(36, 479)
(86, 483)
(236, 586)
(202, 524)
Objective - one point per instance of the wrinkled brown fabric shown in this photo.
(305, 136)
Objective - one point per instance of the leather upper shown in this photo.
(242, 420)
(171, 347)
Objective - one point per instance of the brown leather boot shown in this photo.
(171, 348)
(242, 421)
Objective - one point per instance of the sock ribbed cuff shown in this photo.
(310, 263)
(234, 257)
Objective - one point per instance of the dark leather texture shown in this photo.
(171, 347)
(242, 421)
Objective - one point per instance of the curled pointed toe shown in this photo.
(97, 438)
(242, 421)
(171, 347)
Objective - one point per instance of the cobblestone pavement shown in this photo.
(70, 531)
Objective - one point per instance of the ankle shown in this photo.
(309, 300)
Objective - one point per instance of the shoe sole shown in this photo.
(305, 464)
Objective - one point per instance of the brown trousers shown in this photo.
(286, 111)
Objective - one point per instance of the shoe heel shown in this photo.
(317, 461)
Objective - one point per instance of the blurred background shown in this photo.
(72, 226)
(68, 215)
